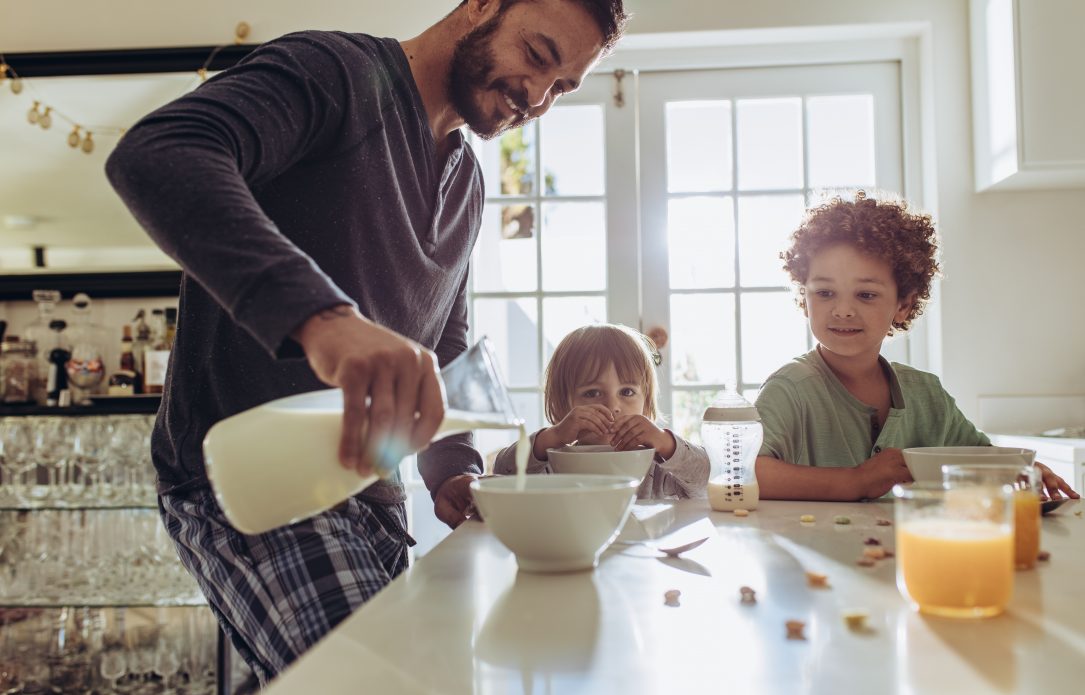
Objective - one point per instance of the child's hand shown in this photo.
(632, 431)
(584, 422)
(1053, 484)
(879, 473)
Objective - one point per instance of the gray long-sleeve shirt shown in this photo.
(683, 475)
(302, 178)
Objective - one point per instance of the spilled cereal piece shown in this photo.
(865, 561)
(670, 598)
(883, 522)
(816, 579)
(874, 552)
(794, 629)
(1043, 556)
(1077, 513)
(748, 594)
(807, 518)
(741, 512)
(841, 519)
(872, 541)
(856, 619)
(888, 552)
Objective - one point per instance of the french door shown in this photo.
(662, 201)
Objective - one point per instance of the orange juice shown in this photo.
(956, 567)
(1026, 507)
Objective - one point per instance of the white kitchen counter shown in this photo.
(463, 620)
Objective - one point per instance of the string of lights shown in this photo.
(41, 114)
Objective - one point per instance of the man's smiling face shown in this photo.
(511, 68)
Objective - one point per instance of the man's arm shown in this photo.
(451, 463)
(187, 173)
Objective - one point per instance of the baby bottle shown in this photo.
(731, 433)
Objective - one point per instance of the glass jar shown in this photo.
(18, 369)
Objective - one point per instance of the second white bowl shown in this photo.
(600, 459)
(925, 462)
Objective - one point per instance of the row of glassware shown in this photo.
(110, 650)
(90, 557)
(76, 461)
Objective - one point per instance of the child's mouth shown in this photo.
(846, 331)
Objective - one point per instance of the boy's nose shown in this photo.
(843, 310)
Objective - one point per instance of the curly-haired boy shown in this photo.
(836, 418)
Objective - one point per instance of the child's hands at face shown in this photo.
(632, 431)
(879, 473)
(586, 424)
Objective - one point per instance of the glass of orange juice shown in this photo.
(955, 547)
(1025, 480)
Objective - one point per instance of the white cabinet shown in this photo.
(1028, 93)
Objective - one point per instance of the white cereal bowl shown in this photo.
(557, 523)
(925, 462)
(600, 459)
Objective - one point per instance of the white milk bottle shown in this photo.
(278, 463)
(731, 433)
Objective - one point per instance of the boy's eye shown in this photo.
(867, 295)
(824, 294)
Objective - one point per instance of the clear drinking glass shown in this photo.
(1025, 481)
(955, 547)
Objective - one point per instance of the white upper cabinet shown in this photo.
(1028, 93)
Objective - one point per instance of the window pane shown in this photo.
(572, 150)
(702, 339)
(764, 224)
(701, 242)
(562, 314)
(512, 325)
(505, 257)
(773, 332)
(689, 407)
(698, 146)
(841, 140)
(574, 246)
(769, 143)
(508, 162)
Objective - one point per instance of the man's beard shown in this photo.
(469, 78)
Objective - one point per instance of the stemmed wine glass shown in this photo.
(17, 450)
(89, 449)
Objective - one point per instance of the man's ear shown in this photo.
(479, 11)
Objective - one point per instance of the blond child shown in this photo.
(600, 389)
(836, 418)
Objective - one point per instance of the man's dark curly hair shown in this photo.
(885, 229)
(609, 15)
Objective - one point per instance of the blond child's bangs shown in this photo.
(583, 356)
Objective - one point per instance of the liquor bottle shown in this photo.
(126, 381)
(157, 358)
(142, 341)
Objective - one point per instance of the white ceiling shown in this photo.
(63, 190)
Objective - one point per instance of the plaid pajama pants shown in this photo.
(277, 593)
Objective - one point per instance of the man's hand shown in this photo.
(392, 393)
(879, 473)
(453, 503)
